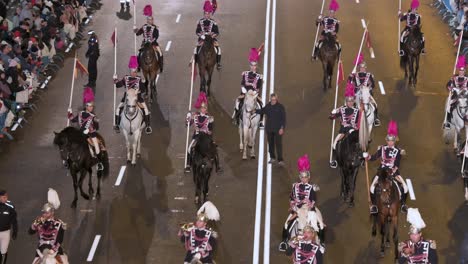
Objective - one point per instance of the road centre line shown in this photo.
(382, 89)
(410, 189)
(178, 18)
(121, 174)
(93, 248)
(168, 46)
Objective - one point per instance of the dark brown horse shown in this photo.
(412, 49)
(348, 156)
(149, 65)
(206, 62)
(328, 55)
(388, 204)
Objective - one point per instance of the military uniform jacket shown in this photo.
(150, 33)
(199, 240)
(302, 194)
(424, 253)
(202, 123)
(362, 79)
(130, 82)
(93, 51)
(412, 19)
(305, 252)
(8, 218)
(330, 24)
(86, 121)
(50, 231)
(457, 83)
(389, 156)
(206, 26)
(348, 115)
(252, 81)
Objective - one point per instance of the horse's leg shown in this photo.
(331, 65)
(374, 225)
(410, 68)
(196, 177)
(416, 71)
(325, 75)
(90, 182)
(127, 142)
(207, 188)
(75, 187)
(455, 140)
(395, 234)
(352, 187)
(134, 146)
(80, 183)
(202, 79)
(343, 188)
(138, 150)
(99, 179)
(387, 232)
(246, 142)
(210, 74)
(252, 141)
(383, 224)
(241, 136)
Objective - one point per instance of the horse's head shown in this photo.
(250, 101)
(131, 102)
(462, 103)
(148, 54)
(385, 184)
(61, 140)
(365, 95)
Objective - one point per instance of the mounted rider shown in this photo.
(50, 230)
(305, 249)
(303, 193)
(132, 81)
(199, 240)
(348, 115)
(457, 85)
(207, 26)
(390, 157)
(202, 123)
(330, 25)
(416, 249)
(413, 19)
(150, 34)
(89, 124)
(363, 78)
(251, 80)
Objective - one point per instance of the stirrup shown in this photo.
(148, 130)
(404, 208)
(401, 53)
(374, 209)
(283, 246)
(187, 169)
(261, 124)
(100, 166)
(377, 122)
(447, 125)
(218, 66)
(117, 129)
(333, 164)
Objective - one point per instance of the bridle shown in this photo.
(132, 117)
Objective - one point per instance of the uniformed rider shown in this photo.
(207, 26)
(363, 78)
(413, 19)
(330, 25)
(89, 125)
(305, 249)
(348, 115)
(390, 157)
(251, 80)
(150, 34)
(8, 225)
(132, 81)
(457, 85)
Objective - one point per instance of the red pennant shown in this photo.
(113, 38)
(80, 67)
(368, 40)
(340, 72)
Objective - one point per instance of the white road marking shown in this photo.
(357, 1)
(410, 189)
(15, 126)
(93, 248)
(121, 174)
(178, 18)
(157, 78)
(168, 46)
(382, 89)
(363, 22)
(177, 211)
(372, 54)
(180, 198)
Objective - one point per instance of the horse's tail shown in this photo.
(449, 134)
(105, 161)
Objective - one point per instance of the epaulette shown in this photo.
(8, 203)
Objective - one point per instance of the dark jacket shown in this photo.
(8, 218)
(276, 117)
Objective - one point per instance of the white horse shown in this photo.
(132, 125)
(48, 256)
(457, 122)
(306, 217)
(364, 96)
(248, 124)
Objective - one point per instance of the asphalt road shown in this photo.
(139, 219)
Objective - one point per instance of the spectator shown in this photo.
(16, 17)
(5, 53)
(26, 12)
(8, 225)
(275, 125)
(3, 114)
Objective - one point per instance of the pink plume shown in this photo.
(303, 163)
(359, 59)
(334, 5)
(414, 4)
(148, 10)
(349, 92)
(133, 63)
(200, 100)
(253, 56)
(392, 128)
(208, 7)
(461, 62)
(88, 95)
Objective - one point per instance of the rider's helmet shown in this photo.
(148, 12)
(254, 56)
(350, 95)
(208, 7)
(308, 228)
(414, 5)
(392, 131)
(202, 101)
(92, 37)
(303, 166)
(334, 6)
(360, 61)
(48, 208)
(133, 63)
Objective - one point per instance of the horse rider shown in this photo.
(150, 34)
(348, 115)
(199, 240)
(302, 193)
(417, 249)
(132, 81)
(89, 124)
(207, 26)
(330, 25)
(92, 54)
(8, 225)
(363, 78)
(413, 19)
(50, 231)
(305, 249)
(202, 123)
(390, 157)
(457, 85)
(251, 80)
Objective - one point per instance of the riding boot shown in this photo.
(235, 117)
(148, 128)
(316, 50)
(117, 124)
(122, 6)
(373, 207)
(376, 119)
(189, 163)
(128, 4)
(449, 118)
(161, 63)
(283, 246)
(218, 61)
(261, 121)
(3, 258)
(423, 48)
(404, 208)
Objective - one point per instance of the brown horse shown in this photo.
(149, 65)
(388, 203)
(328, 55)
(206, 60)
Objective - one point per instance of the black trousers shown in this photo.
(275, 142)
(92, 69)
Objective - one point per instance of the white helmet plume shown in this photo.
(53, 198)
(210, 211)
(415, 219)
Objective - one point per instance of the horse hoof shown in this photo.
(350, 204)
(85, 196)
(250, 146)
(244, 158)
(252, 157)
(129, 161)
(374, 233)
(382, 254)
(196, 199)
(98, 196)
(134, 164)
(73, 205)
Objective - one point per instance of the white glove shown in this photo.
(334, 111)
(365, 155)
(114, 77)
(202, 37)
(244, 91)
(320, 17)
(316, 187)
(189, 115)
(70, 110)
(134, 27)
(86, 131)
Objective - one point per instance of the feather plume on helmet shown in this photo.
(133, 63)
(88, 96)
(208, 7)
(392, 131)
(349, 92)
(208, 211)
(359, 61)
(334, 6)
(202, 101)
(53, 201)
(461, 62)
(303, 166)
(415, 4)
(148, 11)
(416, 221)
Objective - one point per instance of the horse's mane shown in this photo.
(204, 146)
(73, 135)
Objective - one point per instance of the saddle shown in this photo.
(100, 141)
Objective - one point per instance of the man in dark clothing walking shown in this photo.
(92, 54)
(275, 125)
(8, 225)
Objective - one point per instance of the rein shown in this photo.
(131, 118)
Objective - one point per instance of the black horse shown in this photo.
(74, 151)
(412, 49)
(348, 157)
(465, 172)
(149, 64)
(206, 60)
(328, 54)
(204, 157)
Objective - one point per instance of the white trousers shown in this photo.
(4, 241)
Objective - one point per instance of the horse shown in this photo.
(48, 256)
(76, 156)
(457, 122)
(206, 62)
(388, 204)
(132, 125)
(248, 125)
(364, 97)
(348, 157)
(328, 54)
(412, 49)
(203, 155)
(150, 66)
(465, 175)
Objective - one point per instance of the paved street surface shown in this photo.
(139, 219)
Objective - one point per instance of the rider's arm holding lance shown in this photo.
(71, 117)
(138, 31)
(119, 83)
(335, 113)
(34, 226)
(215, 30)
(376, 155)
